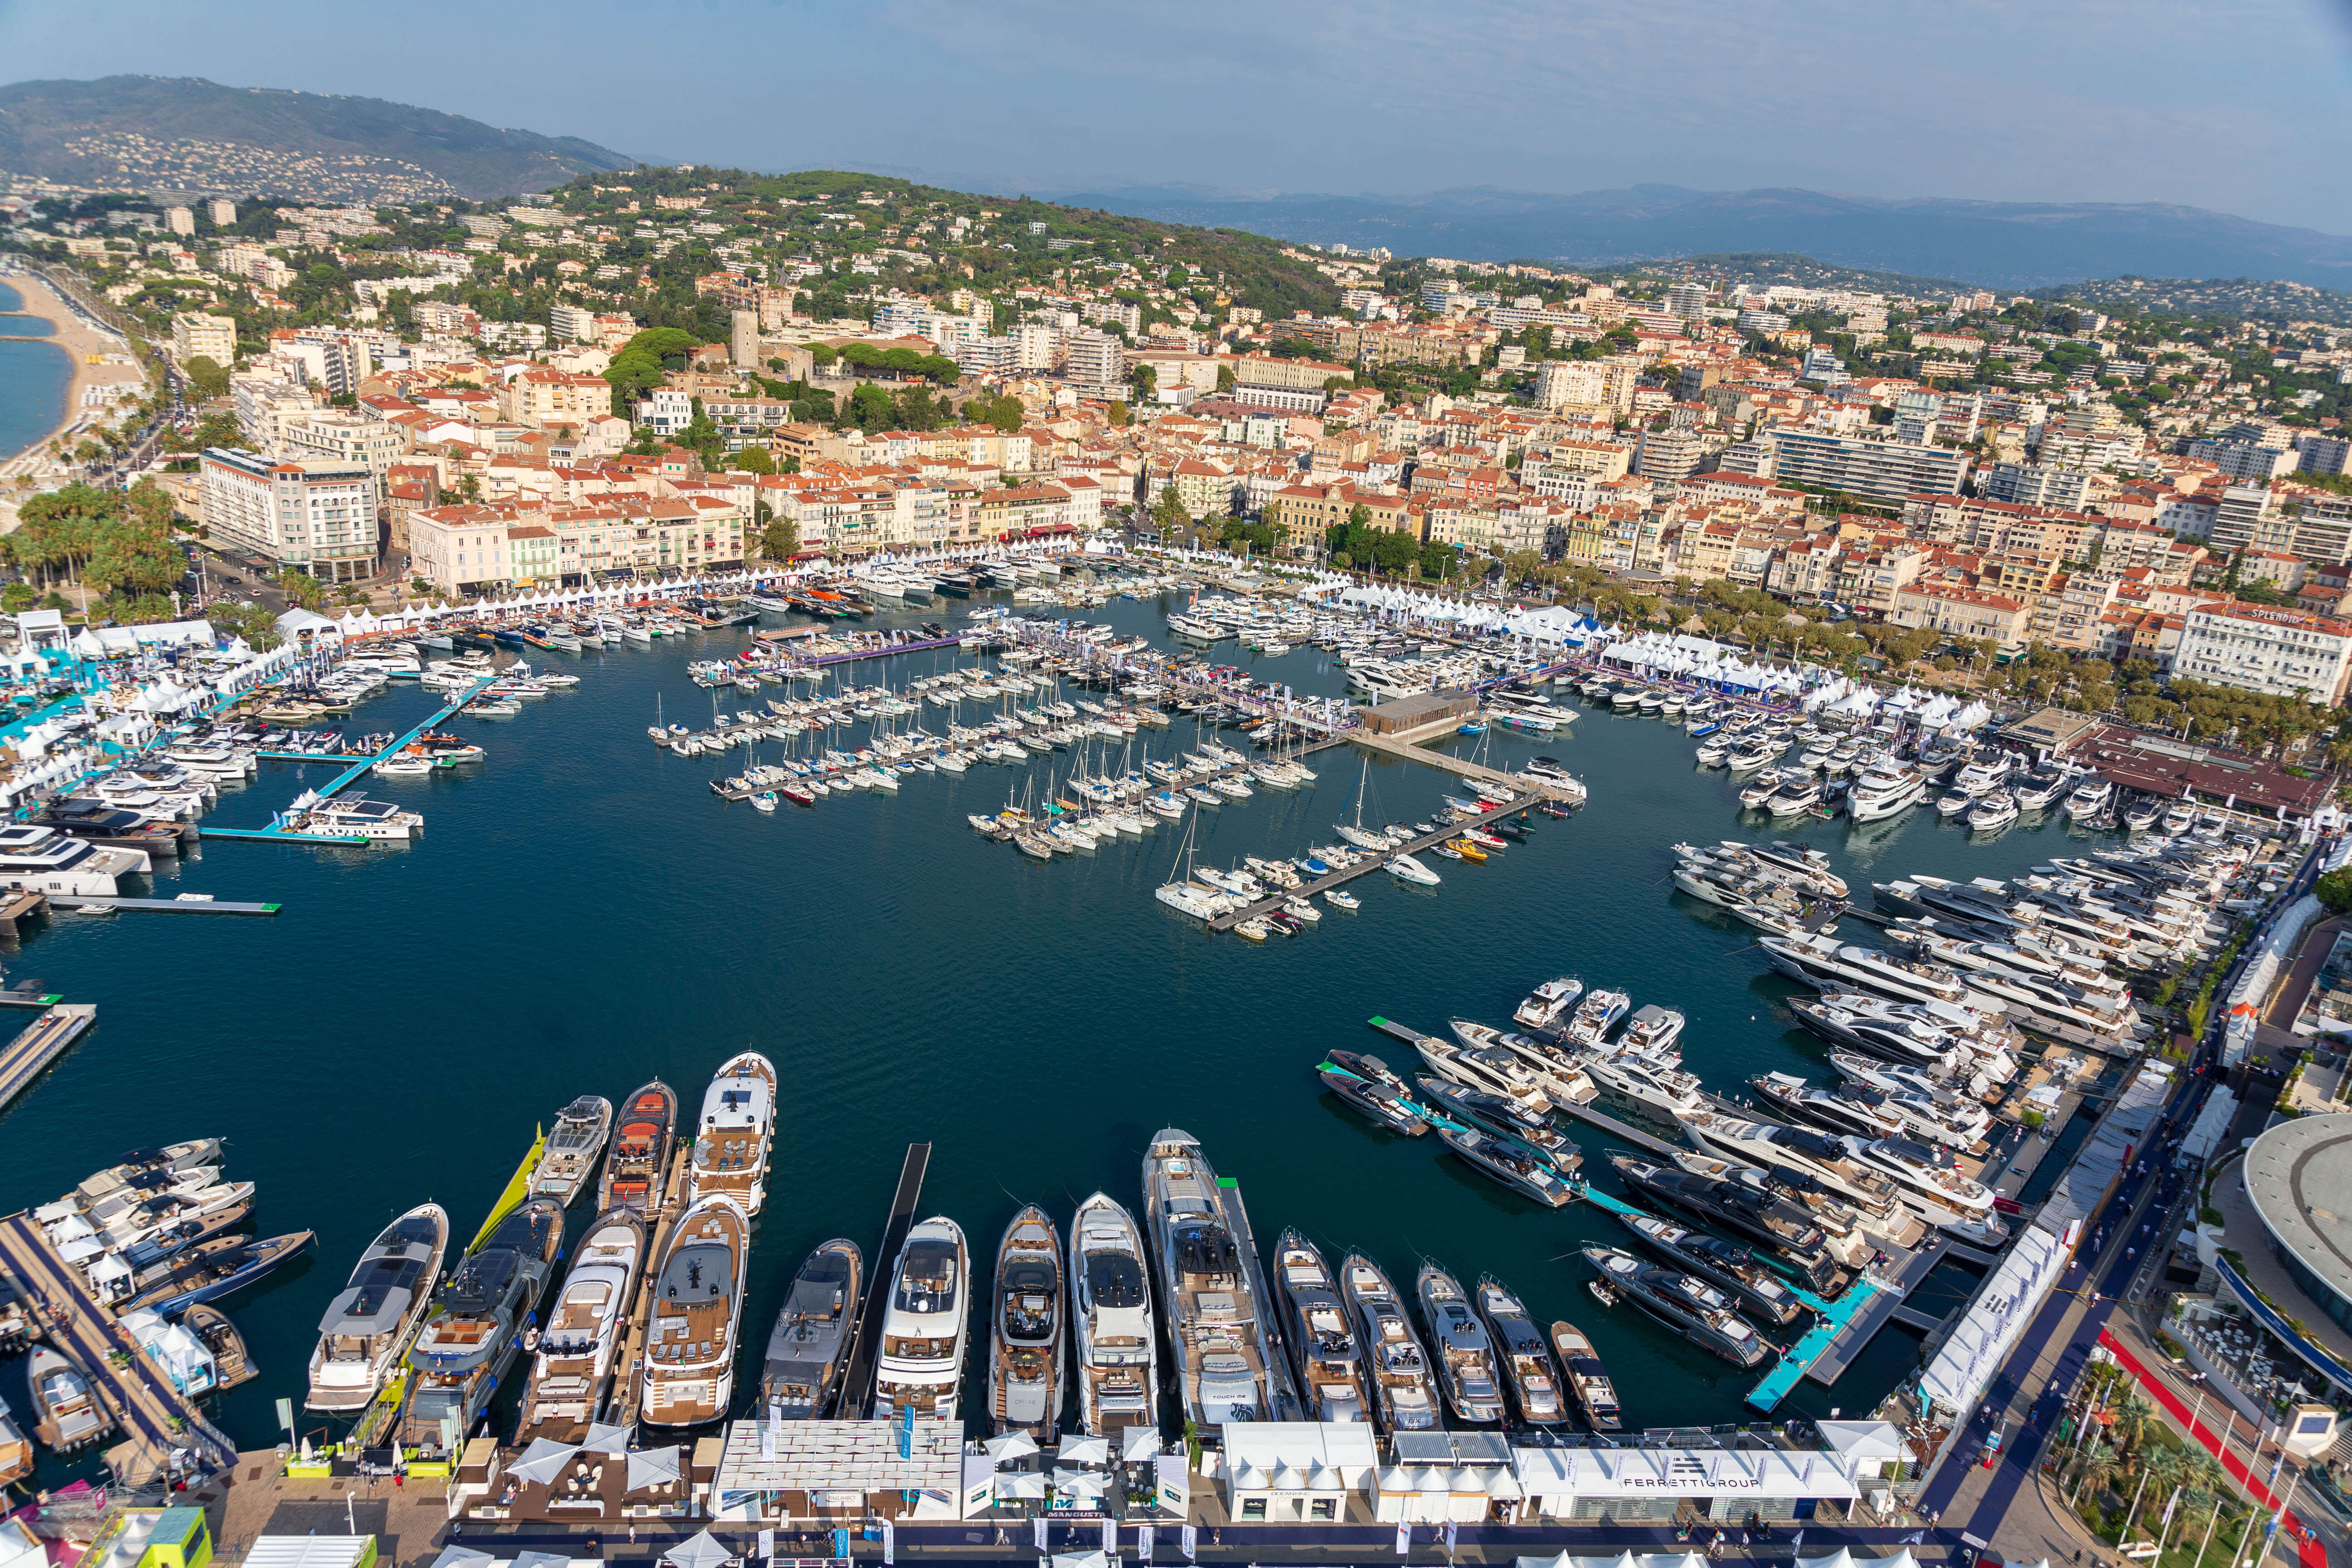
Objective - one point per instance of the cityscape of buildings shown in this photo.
(1990, 468)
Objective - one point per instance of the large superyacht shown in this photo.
(808, 1349)
(372, 1319)
(1404, 1388)
(638, 1162)
(1116, 1345)
(476, 1332)
(697, 1292)
(1465, 1355)
(570, 1160)
(1026, 1330)
(573, 1372)
(1212, 1292)
(732, 1139)
(1324, 1352)
(926, 1324)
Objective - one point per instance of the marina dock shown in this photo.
(1372, 861)
(857, 1383)
(275, 834)
(161, 906)
(342, 781)
(1406, 747)
(1841, 1328)
(154, 1419)
(628, 1357)
(43, 1041)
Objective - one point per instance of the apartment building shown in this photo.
(2038, 484)
(195, 335)
(1962, 612)
(471, 548)
(266, 405)
(1288, 374)
(2313, 524)
(571, 324)
(2278, 652)
(318, 516)
(548, 399)
(1890, 471)
(1094, 361)
(345, 439)
(1668, 455)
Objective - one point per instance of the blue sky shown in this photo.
(2237, 106)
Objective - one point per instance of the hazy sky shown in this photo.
(2238, 106)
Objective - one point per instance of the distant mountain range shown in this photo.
(1999, 245)
(151, 132)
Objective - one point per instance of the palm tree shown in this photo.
(2099, 1466)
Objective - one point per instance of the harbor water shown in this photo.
(582, 915)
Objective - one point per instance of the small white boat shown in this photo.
(1406, 869)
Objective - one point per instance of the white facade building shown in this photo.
(2256, 648)
(318, 516)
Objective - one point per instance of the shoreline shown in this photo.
(78, 342)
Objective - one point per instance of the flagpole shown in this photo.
(2208, 1534)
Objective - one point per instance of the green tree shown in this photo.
(2335, 889)
(208, 376)
(301, 588)
(1168, 512)
(779, 540)
(755, 460)
(870, 408)
(638, 366)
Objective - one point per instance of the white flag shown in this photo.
(890, 1544)
(1191, 1541)
(1797, 1539)
(1110, 1536)
(767, 1543)
(1143, 1543)
(1037, 1529)
(1453, 1533)
(1404, 1539)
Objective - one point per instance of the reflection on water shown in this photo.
(582, 915)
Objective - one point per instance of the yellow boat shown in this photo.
(1467, 850)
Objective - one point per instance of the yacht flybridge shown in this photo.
(1404, 1388)
(697, 1290)
(44, 860)
(1324, 1352)
(1028, 1323)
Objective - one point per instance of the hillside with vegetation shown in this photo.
(184, 132)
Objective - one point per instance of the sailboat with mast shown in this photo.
(1355, 832)
(1186, 896)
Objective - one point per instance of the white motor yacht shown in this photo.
(1116, 1346)
(1929, 1180)
(572, 1370)
(1888, 789)
(926, 1327)
(44, 860)
(372, 1319)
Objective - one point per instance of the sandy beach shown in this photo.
(88, 348)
